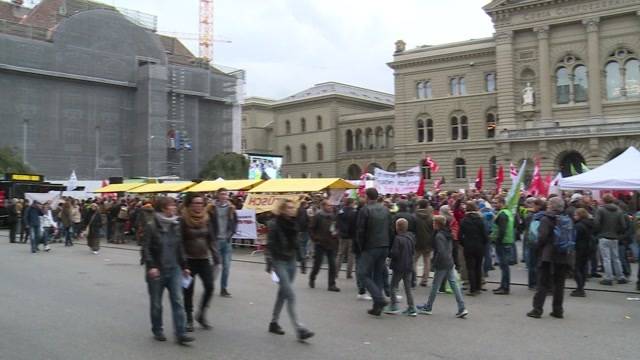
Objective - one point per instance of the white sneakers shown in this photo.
(95, 253)
(47, 248)
(364, 297)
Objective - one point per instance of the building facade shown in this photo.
(84, 88)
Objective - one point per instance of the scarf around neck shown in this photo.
(166, 222)
(195, 220)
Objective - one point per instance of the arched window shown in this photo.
(287, 154)
(319, 122)
(353, 172)
(358, 142)
(455, 128)
(461, 168)
(427, 90)
(580, 83)
(464, 127)
(303, 153)
(287, 127)
(614, 80)
(563, 85)
(371, 169)
(320, 151)
(490, 82)
(623, 75)
(379, 138)
(389, 135)
(392, 167)
(571, 163)
(420, 90)
(632, 77)
(349, 140)
(368, 139)
(303, 125)
(493, 167)
(429, 130)
(462, 85)
(421, 130)
(491, 125)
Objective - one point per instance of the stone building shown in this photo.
(88, 87)
(559, 81)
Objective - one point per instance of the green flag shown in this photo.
(573, 170)
(514, 194)
(584, 167)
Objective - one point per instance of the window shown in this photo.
(319, 122)
(622, 75)
(464, 125)
(423, 89)
(303, 153)
(563, 86)
(457, 86)
(459, 127)
(320, 151)
(287, 127)
(490, 82)
(427, 90)
(388, 139)
(368, 139)
(571, 81)
(429, 130)
(421, 130)
(454, 128)
(303, 125)
(287, 154)
(461, 168)
(491, 125)
(493, 167)
(358, 141)
(425, 129)
(349, 140)
(379, 136)
(580, 83)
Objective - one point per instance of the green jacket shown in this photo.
(502, 232)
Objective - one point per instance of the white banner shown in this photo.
(402, 182)
(247, 226)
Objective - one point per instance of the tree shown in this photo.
(229, 166)
(10, 162)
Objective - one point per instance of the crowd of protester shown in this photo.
(460, 237)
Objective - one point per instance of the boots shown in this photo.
(189, 326)
(201, 318)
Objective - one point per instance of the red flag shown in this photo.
(547, 185)
(513, 172)
(433, 166)
(536, 187)
(437, 184)
(499, 179)
(363, 183)
(479, 180)
(420, 191)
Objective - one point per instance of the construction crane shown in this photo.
(206, 29)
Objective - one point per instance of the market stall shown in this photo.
(116, 188)
(166, 187)
(232, 185)
(620, 173)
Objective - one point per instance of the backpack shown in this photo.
(534, 229)
(123, 214)
(564, 235)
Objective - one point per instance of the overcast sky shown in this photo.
(286, 46)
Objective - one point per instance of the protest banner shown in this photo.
(268, 202)
(247, 226)
(402, 182)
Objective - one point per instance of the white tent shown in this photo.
(621, 173)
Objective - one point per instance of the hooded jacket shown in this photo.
(402, 253)
(424, 230)
(610, 223)
(443, 247)
(584, 237)
(473, 235)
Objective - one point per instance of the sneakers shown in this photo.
(312, 283)
(534, 314)
(578, 293)
(184, 339)
(304, 334)
(606, 282)
(462, 314)
(596, 275)
(501, 292)
(621, 281)
(557, 315)
(422, 310)
(334, 288)
(274, 328)
(224, 293)
(364, 297)
(411, 311)
(96, 253)
(377, 308)
(423, 283)
(47, 248)
(392, 309)
(160, 337)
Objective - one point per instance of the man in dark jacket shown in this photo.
(611, 226)
(225, 222)
(373, 240)
(302, 220)
(424, 240)
(12, 220)
(32, 221)
(325, 237)
(346, 221)
(474, 239)
(552, 264)
(584, 247)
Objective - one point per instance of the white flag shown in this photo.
(72, 184)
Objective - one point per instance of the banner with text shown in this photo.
(402, 182)
(247, 226)
(268, 202)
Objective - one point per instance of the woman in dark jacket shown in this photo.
(474, 239)
(93, 225)
(584, 247)
(282, 250)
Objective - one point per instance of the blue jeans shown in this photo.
(488, 259)
(504, 257)
(67, 236)
(304, 241)
(286, 271)
(622, 251)
(34, 236)
(225, 249)
(609, 251)
(532, 265)
(372, 270)
(170, 279)
(438, 278)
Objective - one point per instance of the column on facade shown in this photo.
(505, 80)
(593, 66)
(544, 72)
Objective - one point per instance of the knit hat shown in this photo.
(576, 197)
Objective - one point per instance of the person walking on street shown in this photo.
(424, 240)
(47, 226)
(302, 219)
(503, 235)
(444, 268)
(76, 218)
(201, 251)
(165, 268)
(402, 254)
(281, 254)
(584, 246)
(12, 219)
(32, 220)
(65, 219)
(325, 237)
(225, 221)
(373, 237)
(553, 264)
(611, 226)
(93, 225)
(347, 221)
(25, 233)
(474, 239)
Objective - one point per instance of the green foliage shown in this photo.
(10, 162)
(229, 166)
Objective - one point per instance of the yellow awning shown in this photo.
(209, 186)
(115, 188)
(168, 187)
(301, 185)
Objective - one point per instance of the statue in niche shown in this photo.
(528, 95)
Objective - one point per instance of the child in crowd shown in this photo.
(402, 253)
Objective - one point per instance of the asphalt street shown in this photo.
(70, 304)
